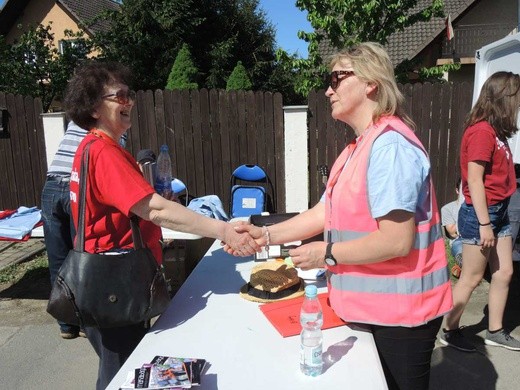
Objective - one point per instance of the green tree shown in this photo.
(184, 72)
(34, 66)
(284, 79)
(236, 30)
(148, 34)
(238, 79)
(345, 23)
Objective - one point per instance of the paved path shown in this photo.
(12, 252)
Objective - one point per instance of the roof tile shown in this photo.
(85, 11)
(408, 43)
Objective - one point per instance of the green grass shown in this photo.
(451, 260)
(15, 272)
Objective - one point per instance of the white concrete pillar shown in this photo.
(296, 159)
(54, 126)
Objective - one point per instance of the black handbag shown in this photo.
(107, 291)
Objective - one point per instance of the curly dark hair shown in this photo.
(498, 104)
(86, 87)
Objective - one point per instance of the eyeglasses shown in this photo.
(335, 78)
(122, 96)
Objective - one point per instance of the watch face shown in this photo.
(330, 261)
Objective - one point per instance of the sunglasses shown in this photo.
(335, 78)
(122, 96)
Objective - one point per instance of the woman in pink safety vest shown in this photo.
(383, 246)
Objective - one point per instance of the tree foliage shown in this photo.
(33, 65)
(239, 80)
(348, 22)
(184, 72)
(147, 35)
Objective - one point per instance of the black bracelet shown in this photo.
(484, 224)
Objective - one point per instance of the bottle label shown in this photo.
(311, 356)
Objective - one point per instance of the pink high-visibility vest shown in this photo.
(405, 291)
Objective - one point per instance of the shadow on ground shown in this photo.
(452, 369)
(35, 284)
(490, 368)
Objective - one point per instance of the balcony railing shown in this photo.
(469, 38)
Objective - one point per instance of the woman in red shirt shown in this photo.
(98, 98)
(488, 180)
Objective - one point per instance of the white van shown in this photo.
(501, 55)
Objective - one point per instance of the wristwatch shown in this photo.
(329, 258)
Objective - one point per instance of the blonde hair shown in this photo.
(371, 64)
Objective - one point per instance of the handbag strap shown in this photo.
(79, 245)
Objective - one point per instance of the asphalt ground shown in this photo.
(34, 356)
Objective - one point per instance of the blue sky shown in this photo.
(287, 20)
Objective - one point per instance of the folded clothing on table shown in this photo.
(17, 224)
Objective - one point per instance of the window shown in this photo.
(75, 45)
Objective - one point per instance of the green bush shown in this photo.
(184, 72)
(239, 80)
(449, 257)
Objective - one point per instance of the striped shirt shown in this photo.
(62, 163)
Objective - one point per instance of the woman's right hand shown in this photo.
(487, 237)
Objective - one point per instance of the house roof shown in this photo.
(85, 11)
(81, 11)
(412, 40)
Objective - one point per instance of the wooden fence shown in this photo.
(438, 111)
(211, 132)
(22, 152)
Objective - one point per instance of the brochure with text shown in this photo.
(165, 372)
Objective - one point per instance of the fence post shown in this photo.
(53, 129)
(296, 159)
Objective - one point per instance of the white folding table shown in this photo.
(208, 319)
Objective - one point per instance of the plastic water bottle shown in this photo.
(311, 320)
(163, 179)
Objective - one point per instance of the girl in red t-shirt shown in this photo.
(488, 180)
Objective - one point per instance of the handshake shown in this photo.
(245, 239)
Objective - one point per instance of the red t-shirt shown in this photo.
(480, 143)
(114, 185)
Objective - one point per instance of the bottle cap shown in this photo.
(311, 291)
(164, 148)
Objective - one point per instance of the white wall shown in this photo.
(54, 127)
(296, 159)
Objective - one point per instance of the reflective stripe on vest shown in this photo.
(386, 285)
(404, 291)
(422, 239)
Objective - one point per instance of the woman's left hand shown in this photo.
(309, 256)
(487, 237)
